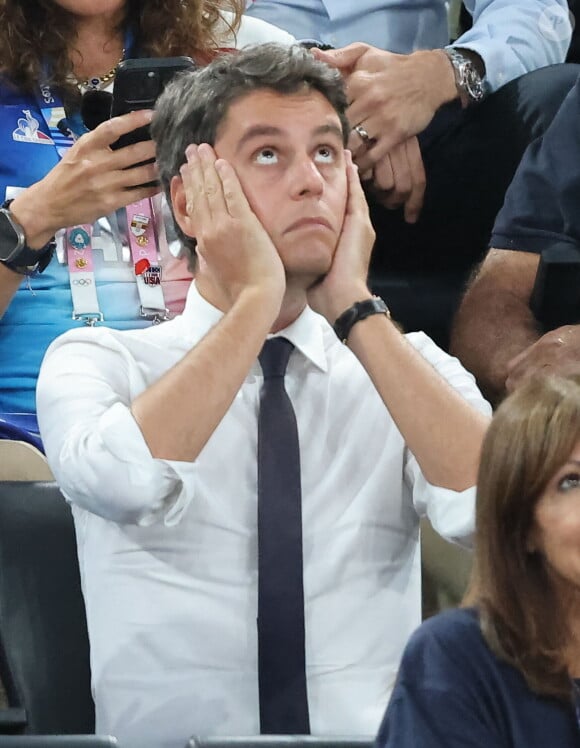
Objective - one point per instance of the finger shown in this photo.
(515, 362)
(236, 202)
(383, 174)
(124, 158)
(518, 368)
(357, 202)
(386, 134)
(345, 58)
(192, 177)
(355, 146)
(138, 175)
(414, 202)
(111, 130)
(135, 194)
(522, 373)
(361, 93)
(401, 175)
(212, 183)
(360, 138)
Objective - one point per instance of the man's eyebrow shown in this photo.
(257, 131)
(329, 130)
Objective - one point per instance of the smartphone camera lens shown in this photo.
(145, 88)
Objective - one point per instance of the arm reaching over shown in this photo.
(496, 335)
(494, 322)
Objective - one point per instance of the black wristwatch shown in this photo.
(356, 313)
(469, 83)
(14, 252)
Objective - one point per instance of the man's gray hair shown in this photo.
(194, 104)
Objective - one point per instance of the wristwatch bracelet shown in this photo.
(21, 259)
(468, 81)
(356, 313)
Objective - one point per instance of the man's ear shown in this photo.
(179, 205)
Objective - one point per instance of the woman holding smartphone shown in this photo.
(505, 671)
(58, 181)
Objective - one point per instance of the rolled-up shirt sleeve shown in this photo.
(514, 37)
(93, 444)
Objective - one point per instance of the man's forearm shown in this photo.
(494, 322)
(443, 430)
(178, 414)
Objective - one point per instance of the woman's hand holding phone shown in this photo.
(91, 180)
(109, 167)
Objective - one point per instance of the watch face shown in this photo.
(11, 242)
(473, 84)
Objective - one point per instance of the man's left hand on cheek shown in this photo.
(346, 281)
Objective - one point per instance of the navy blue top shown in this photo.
(453, 692)
(541, 204)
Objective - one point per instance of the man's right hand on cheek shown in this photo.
(232, 243)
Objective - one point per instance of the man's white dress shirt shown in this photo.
(512, 37)
(168, 550)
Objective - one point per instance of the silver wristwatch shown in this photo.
(469, 83)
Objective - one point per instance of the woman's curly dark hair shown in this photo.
(38, 30)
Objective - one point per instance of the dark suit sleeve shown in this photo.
(541, 206)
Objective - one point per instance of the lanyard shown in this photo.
(78, 245)
(78, 240)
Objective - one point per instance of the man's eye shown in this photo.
(568, 482)
(325, 154)
(266, 156)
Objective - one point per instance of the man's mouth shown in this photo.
(314, 221)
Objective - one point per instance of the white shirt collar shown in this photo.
(306, 333)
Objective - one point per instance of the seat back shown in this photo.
(57, 741)
(280, 741)
(21, 461)
(44, 649)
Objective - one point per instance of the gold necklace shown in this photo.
(98, 81)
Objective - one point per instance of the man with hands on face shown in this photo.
(152, 434)
(435, 142)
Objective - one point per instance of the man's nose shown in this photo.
(306, 178)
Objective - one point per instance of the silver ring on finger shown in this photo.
(363, 135)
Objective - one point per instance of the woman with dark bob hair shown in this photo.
(505, 672)
(57, 179)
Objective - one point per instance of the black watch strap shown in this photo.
(356, 313)
(29, 260)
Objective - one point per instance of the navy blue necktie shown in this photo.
(281, 658)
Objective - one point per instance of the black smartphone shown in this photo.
(138, 83)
